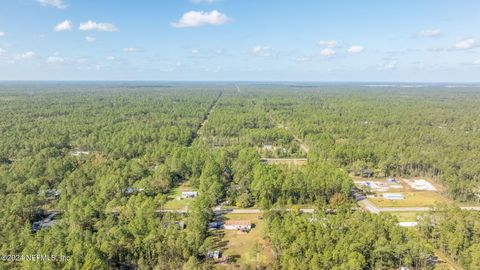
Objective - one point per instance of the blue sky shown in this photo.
(261, 40)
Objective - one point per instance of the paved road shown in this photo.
(217, 210)
(367, 205)
(420, 209)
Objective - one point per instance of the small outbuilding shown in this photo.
(408, 224)
(189, 194)
(215, 225)
(268, 147)
(392, 180)
(393, 196)
(79, 153)
(214, 254)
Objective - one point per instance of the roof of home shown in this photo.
(238, 222)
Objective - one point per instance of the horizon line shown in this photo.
(250, 81)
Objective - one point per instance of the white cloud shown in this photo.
(430, 33)
(388, 66)
(111, 58)
(327, 52)
(2, 51)
(130, 49)
(53, 3)
(24, 56)
(195, 51)
(465, 44)
(2, 34)
(303, 59)
(263, 51)
(329, 43)
(356, 49)
(55, 60)
(200, 18)
(100, 27)
(476, 62)
(63, 26)
(90, 39)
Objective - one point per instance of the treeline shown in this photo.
(107, 159)
(345, 240)
(104, 161)
(454, 231)
(267, 186)
(430, 132)
(242, 120)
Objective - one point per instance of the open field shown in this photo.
(426, 195)
(412, 199)
(175, 202)
(246, 248)
(405, 216)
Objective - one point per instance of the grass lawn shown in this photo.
(173, 203)
(246, 248)
(412, 199)
(405, 216)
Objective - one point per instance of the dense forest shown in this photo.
(102, 160)
(455, 232)
(430, 131)
(346, 240)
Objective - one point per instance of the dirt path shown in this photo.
(238, 88)
(302, 144)
(212, 108)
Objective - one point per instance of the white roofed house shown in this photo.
(241, 225)
(268, 147)
(79, 153)
(393, 196)
(189, 194)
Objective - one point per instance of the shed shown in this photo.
(214, 225)
(393, 196)
(214, 254)
(408, 224)
(189, 194)
(268, 147)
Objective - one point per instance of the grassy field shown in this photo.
(405, 216)
(412, 199)
(177, 204)
(245, 248)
